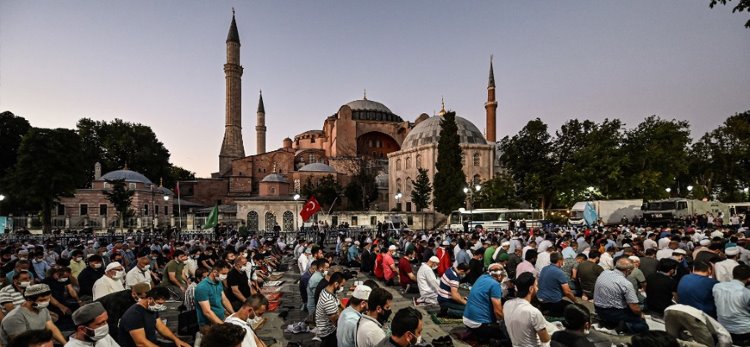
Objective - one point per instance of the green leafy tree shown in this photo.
(48, 167)
(657, 157)
(720, 160)
(422, 192)
(498, 192)
(326, 191)
(121, 198)
(118, 144)
(362, 189)
(528, 158)
(12, 130)
(742, 5)
(450, 179)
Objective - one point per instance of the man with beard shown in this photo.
(370, 331)
(117, 303)
(484, 308)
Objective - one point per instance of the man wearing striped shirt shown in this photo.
(327, 310)
(12, 296)
(452, 304)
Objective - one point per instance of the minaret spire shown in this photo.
(491, 107)
(260, 126)
(232, 147)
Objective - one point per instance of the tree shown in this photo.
(12, 130)
(450, 179)
(500, 191)
(720, 160)
(121, 198)
(48, 167)
(742, 5)
(422, 192)
(657, 157)
(118, 144)
(528, 158)
(362, 189)
(326, 190)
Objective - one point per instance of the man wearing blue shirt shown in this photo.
(484, 308)
(209, 294)
(553, 285)
(696, 289)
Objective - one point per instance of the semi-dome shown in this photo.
(372, 110)
(274, 177)
(127, 175)
(428, 131)
(317, 167)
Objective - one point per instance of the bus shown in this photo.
(739, 208)
(494, 219)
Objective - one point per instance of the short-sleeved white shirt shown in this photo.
(523, 321)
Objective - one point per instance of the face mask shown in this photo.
(157, 307)
(194, 257)
(119, 274)
(325, 273)
(383, 317)
(99, 333)
(41, 305)
(416, 341)
(146, 267)
(24, 284)
(341, 289)
(62, 280)
(434, 267)
(22, 258)
(77, 259)
(222, 277)
(245, 268)
(96, 265)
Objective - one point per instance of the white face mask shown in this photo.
(146, 267)
(100, 332)
(341, 289)
(24, 284)
(157, 307)
(119, 274)
(41, 305)
(325, 273)
(222, 277)
(96, 265)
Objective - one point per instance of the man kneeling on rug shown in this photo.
(483, 308)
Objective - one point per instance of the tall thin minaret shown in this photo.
(260, 127)
(232, 146)
(491, 107)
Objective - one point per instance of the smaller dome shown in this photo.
(368, 105)
(127, 175)
(165, 191)
(274, 177)
(317, 167)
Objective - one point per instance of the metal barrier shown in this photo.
(138, 237)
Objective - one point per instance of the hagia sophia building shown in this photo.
(257, 190)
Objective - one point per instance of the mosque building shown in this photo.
(258, 190)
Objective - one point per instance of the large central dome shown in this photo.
(428, 131)
(372, 110)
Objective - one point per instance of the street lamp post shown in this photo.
(669, 192)
(166, 207)
(690, 191)
(470, 195)
(296, 197)
(398, 201)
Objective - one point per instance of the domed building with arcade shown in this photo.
(261, 186)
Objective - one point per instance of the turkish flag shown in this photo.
(311, 207)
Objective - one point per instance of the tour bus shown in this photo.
(494, 219)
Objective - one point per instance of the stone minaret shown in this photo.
(260, 127)
(491, 107)
(232, 146)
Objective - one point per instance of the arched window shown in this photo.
(398, 164)
(408, 186)
(252, 221)
(398, 185)
(408, 163)
(477, 179)
(270, 221)
(288, 221)
(419, 161)
(475, 159)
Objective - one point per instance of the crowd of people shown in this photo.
(110, 293)
(506, 286)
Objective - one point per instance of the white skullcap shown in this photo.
(113, 265)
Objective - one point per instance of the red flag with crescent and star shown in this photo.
(311, 207)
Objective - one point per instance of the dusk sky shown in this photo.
(160, 63)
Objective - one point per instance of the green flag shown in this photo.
(213, 218)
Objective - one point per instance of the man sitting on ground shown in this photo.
(483, 308)
(615, 300)
(427, 282)
(553, 286)
(452, 304)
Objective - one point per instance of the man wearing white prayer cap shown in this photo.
(111, 281)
